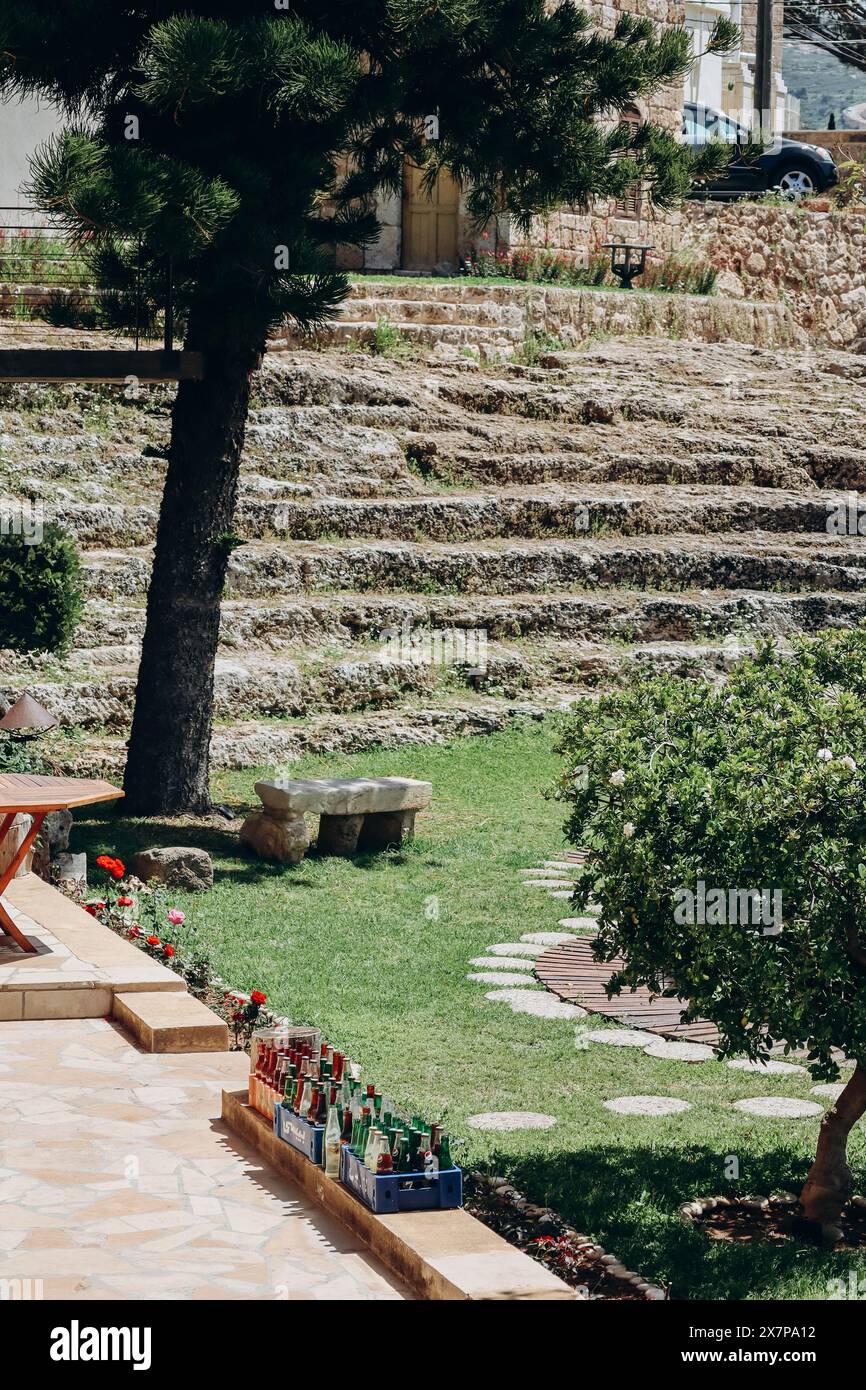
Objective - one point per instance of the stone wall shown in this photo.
(578, 233)
(575, 315)
(814, 262)
(574, 232)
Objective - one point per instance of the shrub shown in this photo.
(40, 590)
(755, 787)
(537, 267)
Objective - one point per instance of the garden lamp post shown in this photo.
(27, 717)
(627, 260)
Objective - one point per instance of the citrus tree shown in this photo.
(239, 142)
(727, 837)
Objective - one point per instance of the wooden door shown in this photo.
(429, 224)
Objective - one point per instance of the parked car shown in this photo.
(795, 168)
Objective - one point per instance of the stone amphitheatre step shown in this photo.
(793, 563)
(438, 461)
(588, 510)
(480, 313)
(279, 745)
(110, 635)
(488, 342)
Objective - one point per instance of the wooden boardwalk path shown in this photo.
(570, 971)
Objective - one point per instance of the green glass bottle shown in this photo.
(445, 1160)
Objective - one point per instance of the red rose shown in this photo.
(153, 941)
(88, 907)
(124, 902)
(258, 998)
(169, 951)
(100, 907)
(105, 861)
(135, 931)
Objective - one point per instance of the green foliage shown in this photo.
(21, 754)
(535, 346)
(758, 785)
(40, 591)
(538, 267)
(680, 274)
(244, 148)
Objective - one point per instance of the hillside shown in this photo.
(585, 519)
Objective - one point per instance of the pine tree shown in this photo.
(209, 137)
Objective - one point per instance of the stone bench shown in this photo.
(356, 814)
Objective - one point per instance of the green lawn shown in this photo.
(357, 948)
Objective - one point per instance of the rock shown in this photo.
(280, 839)
(72, 868)
(182, 868)
(730, 285)
(345, 796)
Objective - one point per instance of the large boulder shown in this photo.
(184, 869)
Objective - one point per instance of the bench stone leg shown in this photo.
(339, 834)
(282, 839)
(386, 829)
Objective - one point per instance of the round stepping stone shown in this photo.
(778, 1107)
(549, 873)
(579, 923)
(830, 1090)
(548, 938)
(566, 893)
(679, 1051)
(536, 1002)
(770, 1067)
(617, 1037)
(514, 948)
(562, 864)
(502, 1121)
(548, 883)
(502, 962)
(497, 977)
(647, 1105)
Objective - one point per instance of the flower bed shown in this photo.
(138, 913)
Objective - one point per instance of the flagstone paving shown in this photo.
(119, 1180)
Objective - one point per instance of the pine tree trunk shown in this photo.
(168, 763)
(830, 1183)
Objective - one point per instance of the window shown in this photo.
(631, 205)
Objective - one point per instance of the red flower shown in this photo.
(124, 902)
(90, 907)
(153, 941)
(258, 998)
(112, 866)
(100, 907)
(135, 930)
(169, 950)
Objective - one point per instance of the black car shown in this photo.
(794, 168)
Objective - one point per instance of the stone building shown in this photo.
(420, 235)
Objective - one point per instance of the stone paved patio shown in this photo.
(119, 1180)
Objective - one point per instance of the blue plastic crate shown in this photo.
(298, 1134)
(388, 1192)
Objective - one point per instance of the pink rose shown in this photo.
(176, 917)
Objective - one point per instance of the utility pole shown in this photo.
(765, 92)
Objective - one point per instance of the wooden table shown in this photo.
(26, 794)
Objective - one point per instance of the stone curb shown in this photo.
(508, 1196)
(441, 1255)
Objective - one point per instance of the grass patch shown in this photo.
(356, 947)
